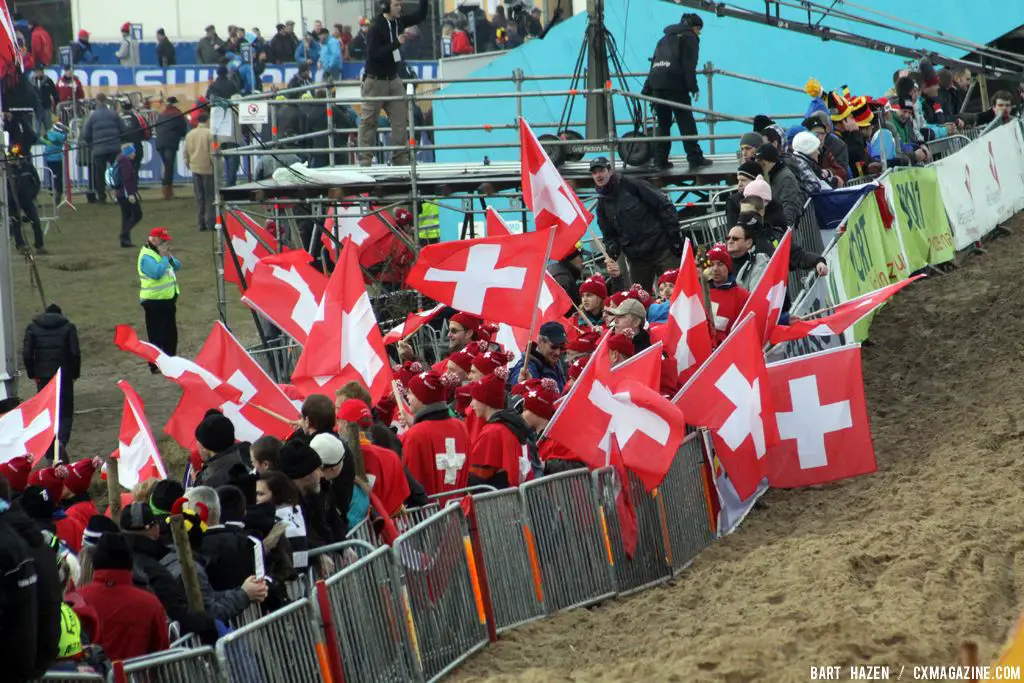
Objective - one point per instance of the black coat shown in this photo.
(51, 342)
(222, 87)
(134, 131)
(228, 468)
(229, 556)
(773, 213)
(282, 49)
(171, 128)
(568, 277)
(23, 183)
(674, 65)
(382, 41)
(46, 90)
(637, 220)
(165, 53)
(19, 606)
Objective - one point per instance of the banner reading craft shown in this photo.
(920, 216)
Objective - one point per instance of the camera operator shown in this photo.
(381, 78)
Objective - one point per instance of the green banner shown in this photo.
(920, 216)
(869, 257)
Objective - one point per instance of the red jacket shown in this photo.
(64, 89)
(42, 46)
(726, 303)
(69, 531)
(80, 513)
(460, 43)
(386, 476)
(425, 442)
(133, 622)
(496, 449)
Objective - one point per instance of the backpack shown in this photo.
(113, 176)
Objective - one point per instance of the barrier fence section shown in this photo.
(173, 666)
(446, 610)
(285, 645)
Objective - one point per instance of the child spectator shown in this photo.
(727, 298)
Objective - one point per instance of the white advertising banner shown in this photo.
(982, 185)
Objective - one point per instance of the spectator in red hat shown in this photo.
(630, 320)
(585, 344)
(727, 298)
(128, 51)
(667, 283)
(158, 291)
(610, 304)
(620, 347)
(593, 292)
(575, 370)
(435, 447)
(384, 475)
(81, 52)
(460, 363)
(486, 363)
(17, 471)
(497, 457)
(77, 503)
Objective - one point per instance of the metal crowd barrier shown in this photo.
(189, 641)
(341, 554)
(446, 609)
(706, 230)
(410, 517)
(563, 516)
(248, 615)
(948, 145)
(362, 532)
(285, 646)
(682, 502)
(861, 180)
(371, 623)
(509, 556)
(69, 677)
(172, 666)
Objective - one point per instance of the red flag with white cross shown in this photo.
(687, 336)
(413, 322)
(769, 294)
(285, 289)
(250, 241)
(370, 233)
(729, 394)
(344, 343)
(30, 428)
(822, 419)
(137, 456)
(549, 197)
(494, 278)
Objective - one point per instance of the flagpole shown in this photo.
(271, 413)
(56, 418)
(583, 315)
(536, 301)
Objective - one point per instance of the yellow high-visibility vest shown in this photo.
(70, 643)
(159, 290)
(430, 222)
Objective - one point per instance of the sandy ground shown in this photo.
(896, 568)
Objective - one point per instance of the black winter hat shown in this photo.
(164, 494)
(298, 459)
(98, 527)
(215, 432)
(37, 504)
(112, 552)
(761, 122)
(53, 308)
(767, 152)
(751, 169)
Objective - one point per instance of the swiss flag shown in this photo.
(686, 335)
(491, 277)
(842, 317)
(137, 456)
(251, 242)
(730, 395)
(188, 374)
(554, 301)
(30, 428)
(413, 322)
(545, 192)
(644, 367)
(285, 289)
(822, 419)
(769, 294)
(371, 233)
(344, 343)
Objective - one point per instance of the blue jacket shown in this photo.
(310, 52)
(539, 369)
(155, 269)
(53, 144)
(330, 54)
(658, 312)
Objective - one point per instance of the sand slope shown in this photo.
(893, 569)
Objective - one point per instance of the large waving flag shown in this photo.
(137, 455)
(30, 428)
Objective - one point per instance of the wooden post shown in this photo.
(352, 441)
(113, 490)
(189, 576)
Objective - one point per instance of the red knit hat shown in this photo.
(407, 370)
(487, 332)
(640, 294)
(595, 285)
(669, 276)
(490, 361)
(540, 398)
(386, 408)
(615, 299)
(467, 320)
(354, 410)
(463, 359)
(50, 480)
(126, 27)
(489, 390)
(80, 475)
(462, 399)
(585, 343)
(576, 367)
(622, 344)
(17, 471)
(721, 254)
(428, 387)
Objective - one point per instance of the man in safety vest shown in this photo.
(158, 291)
(430, 224)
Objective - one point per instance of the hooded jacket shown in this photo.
(538, 367)
(221, 605)
(19, 606)
(227, 468)
(51, 343)
(637, 220)
(674, 65)
(786, 191)
(103, 131)
(498, 451)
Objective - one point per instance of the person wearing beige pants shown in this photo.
(396, 110)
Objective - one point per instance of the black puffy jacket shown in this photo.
(637, 220)
(19, 606)
(674, 65)
(229, 556)
(51, 342)
(228, 468)
(171, 128)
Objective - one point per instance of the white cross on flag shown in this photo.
(413, 322)
(31, 428)
(251, 242)
(841, 317)
(768, 295)
(822, 416)
(548, 196)
(729, 395)
(370, 233)
(344, 343)
(491, 277)
(137, 456)
(687, 337)
(285, 289)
